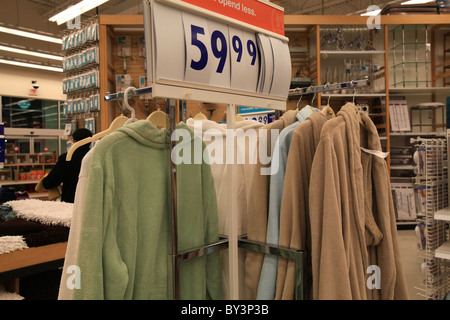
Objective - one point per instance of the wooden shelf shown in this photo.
(414, 134)
(28, 164)
(402, 167)
(32, 256)
(16, 182)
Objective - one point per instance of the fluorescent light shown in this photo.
(30, 35)
(416, 1)
(30, 65)
(76, 10)
(31, 53)
(372, 13)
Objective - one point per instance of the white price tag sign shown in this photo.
(196, 48)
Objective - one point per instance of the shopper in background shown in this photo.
(66, 172)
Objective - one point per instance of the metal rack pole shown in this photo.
(173, 197)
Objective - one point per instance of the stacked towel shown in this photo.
(33, 223)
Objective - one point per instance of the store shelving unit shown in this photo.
(411, 55)
(433, 246)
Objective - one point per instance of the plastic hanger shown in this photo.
(127, 105)
(158, 118)
(116, 124)
(239, 118)
(200, 115)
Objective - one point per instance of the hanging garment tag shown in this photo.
(377, 153)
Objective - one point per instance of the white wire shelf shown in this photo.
(443, 214)
(443, 252)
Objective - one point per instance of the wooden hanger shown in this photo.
(239, 118)
(158, 118)
(116, 124)
(200, 115)
(328, 111)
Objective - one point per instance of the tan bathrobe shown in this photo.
(257, 209)
(379, 209)
(294, 220)
(342, 226)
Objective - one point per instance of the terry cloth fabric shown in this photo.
(49, 235)
(294, 209)
(6, 213)
(12, 243)
(380, 222)
(257, 208)
(211, 132)
(5, 295)
(125, 225)
(267, 281)
(19, 227)
(45, 212)
(65, 291)
(338, 219)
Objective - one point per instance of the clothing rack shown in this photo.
(178, 91)
(298, 256)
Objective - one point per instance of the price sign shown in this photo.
(202, 48)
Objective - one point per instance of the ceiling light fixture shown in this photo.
(31, 53)
(30, 65)
(76, 10)
(30, 35)
(416, 2)
(372, 13)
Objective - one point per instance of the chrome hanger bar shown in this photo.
(118, 95)
(330, 87)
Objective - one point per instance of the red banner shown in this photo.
(253, 12)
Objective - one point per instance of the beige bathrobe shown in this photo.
(337, 206)
(257, 208)
(294, 220)
(351, 214)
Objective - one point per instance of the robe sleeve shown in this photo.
(98, 248)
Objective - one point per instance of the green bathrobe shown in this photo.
(124, 249)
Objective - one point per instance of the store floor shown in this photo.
(411, 261)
